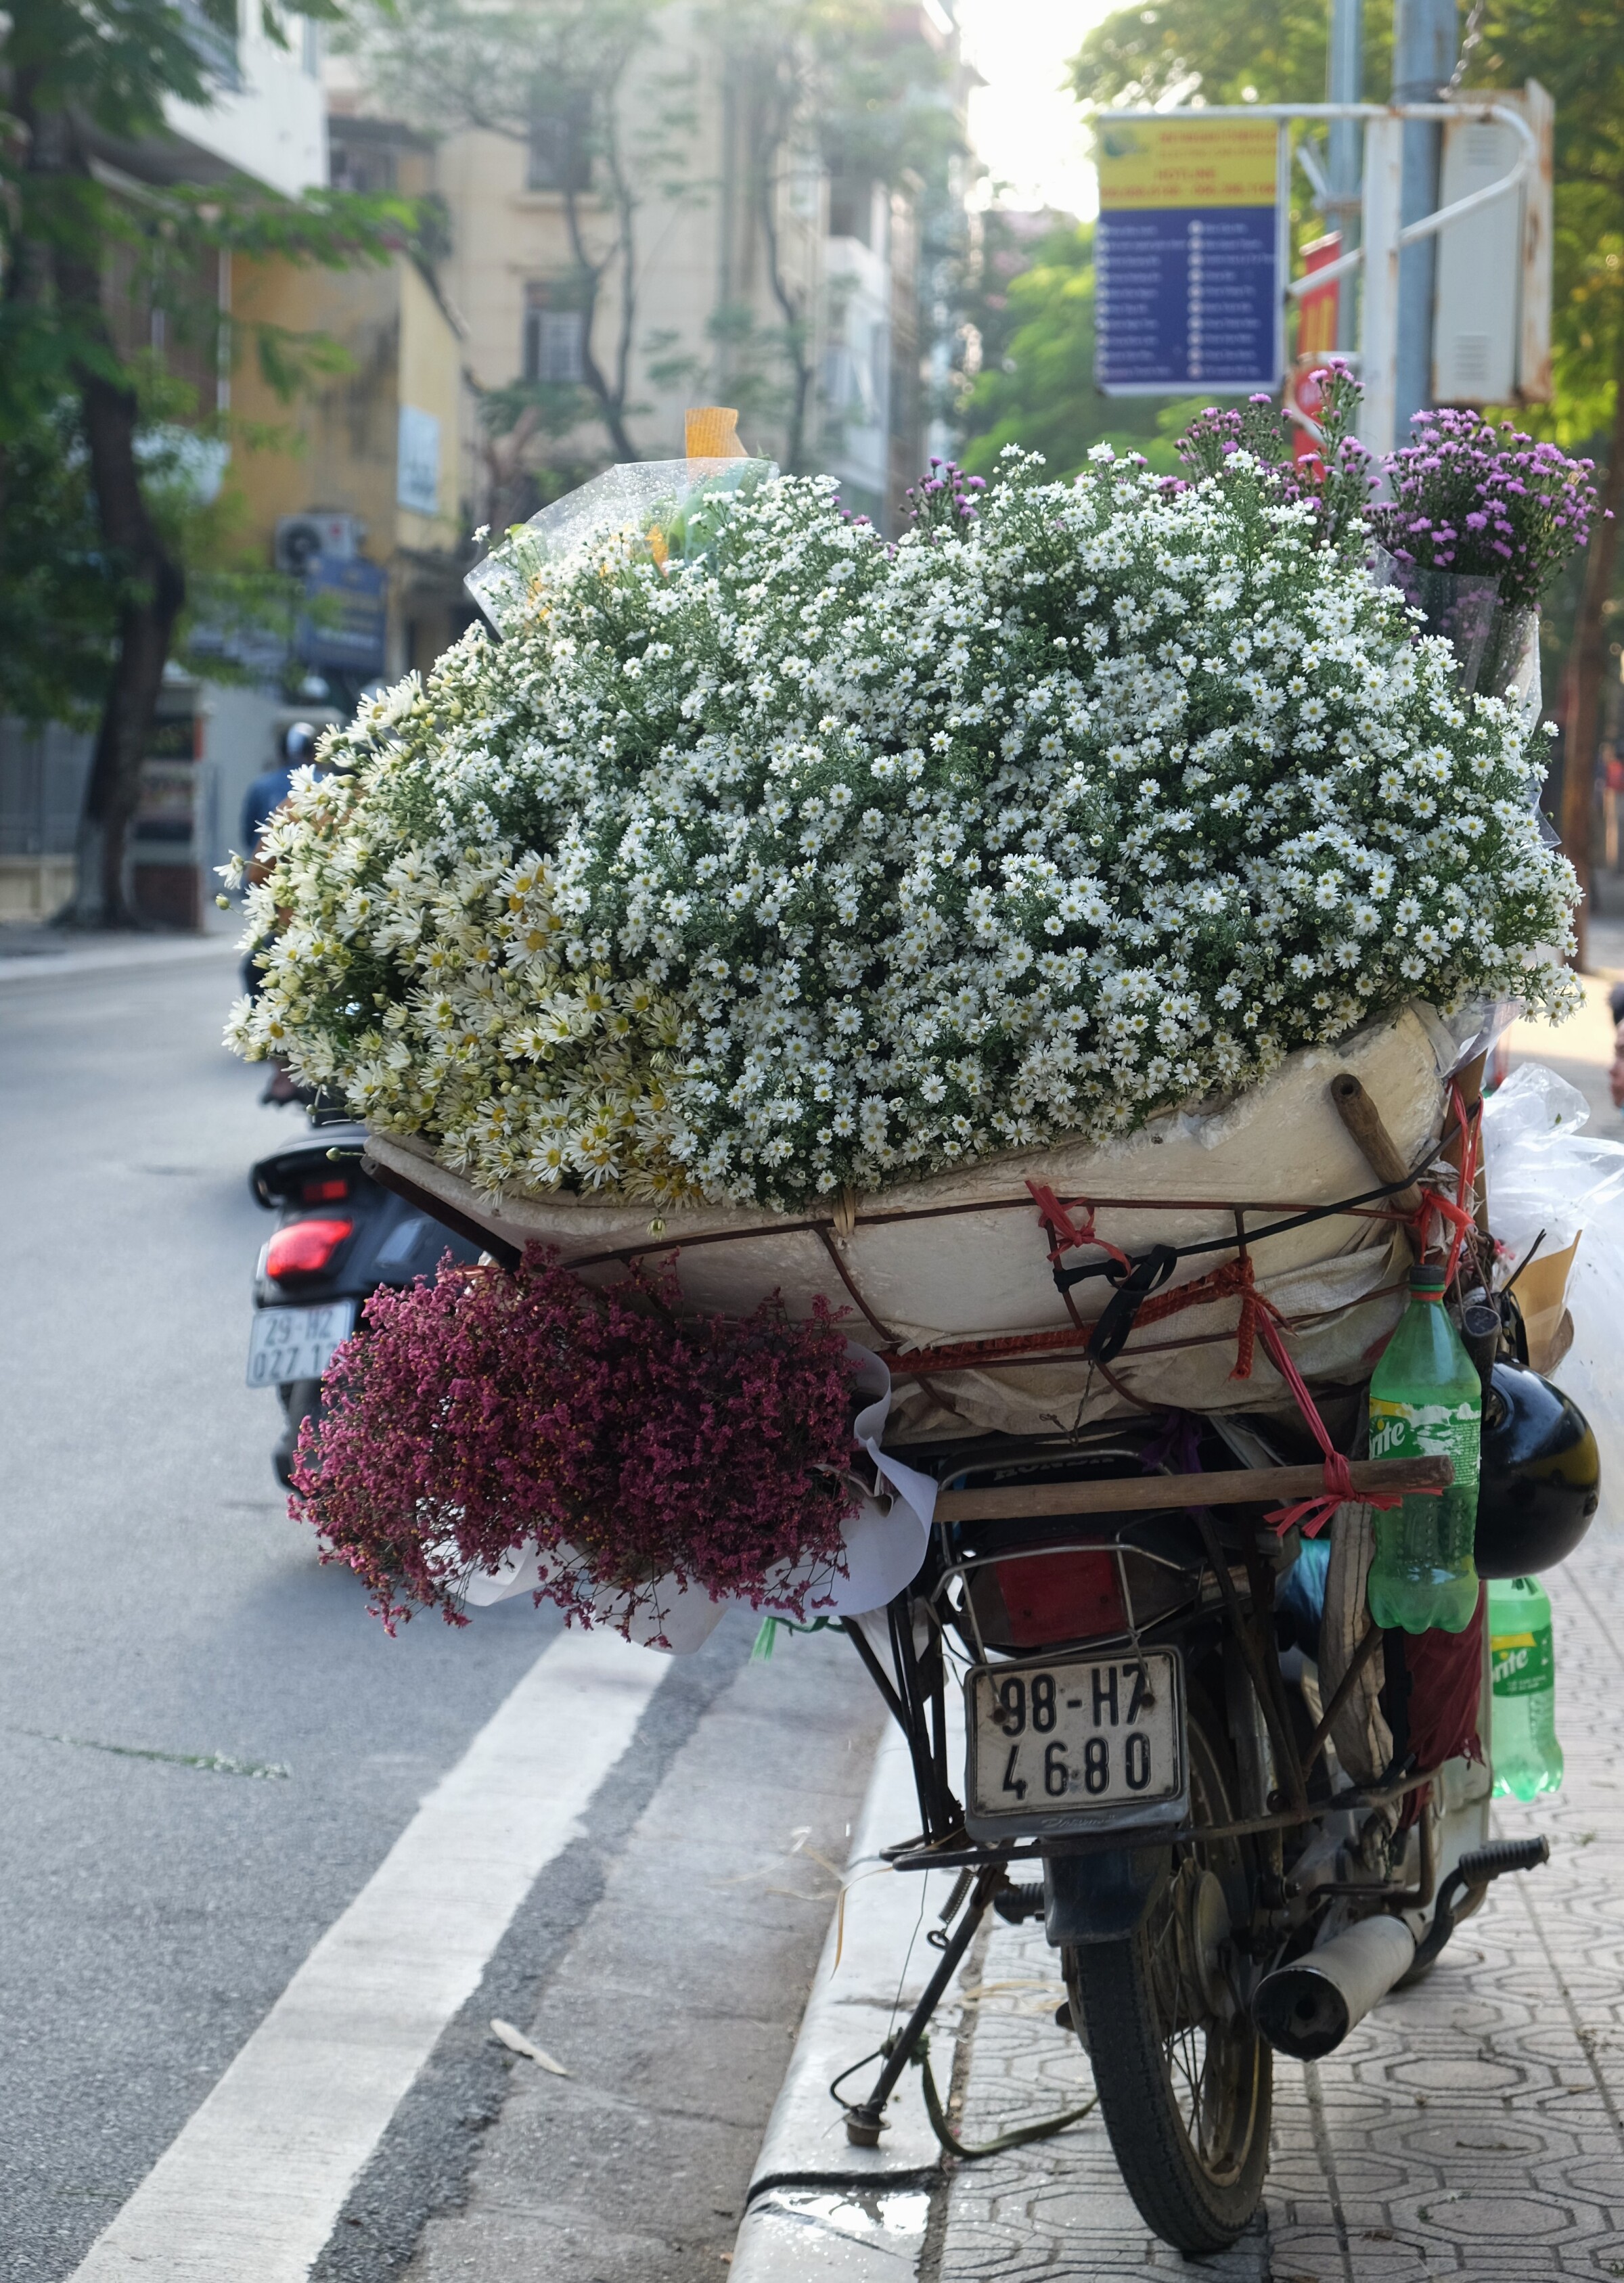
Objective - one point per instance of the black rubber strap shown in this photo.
(1109, 1335)
(1065, 1278)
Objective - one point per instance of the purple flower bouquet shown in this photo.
(1482, 518)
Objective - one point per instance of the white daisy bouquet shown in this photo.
(796, 861)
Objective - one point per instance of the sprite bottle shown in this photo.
(1426, 1400)
(1523, 1746)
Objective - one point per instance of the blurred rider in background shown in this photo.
(269, 791)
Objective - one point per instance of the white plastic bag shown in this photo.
(1589, 1371)
(1542, 1173)
(1548, 1181)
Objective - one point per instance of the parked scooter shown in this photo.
(340, 1236)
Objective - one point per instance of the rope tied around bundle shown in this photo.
(1137, 1300)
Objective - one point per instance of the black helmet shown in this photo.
(299, 744)
(1541, 1482)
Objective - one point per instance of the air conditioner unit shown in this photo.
(301, 539)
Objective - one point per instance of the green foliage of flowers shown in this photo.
(820, 862)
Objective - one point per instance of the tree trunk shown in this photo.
(795, 330)
(153, 584)
(1590, 660)
(611, 408)
(155, 588)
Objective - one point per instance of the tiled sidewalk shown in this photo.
(1472, 2127)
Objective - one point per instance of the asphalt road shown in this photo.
(164, 1610)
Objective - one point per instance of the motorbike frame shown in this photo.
(1127, 1857)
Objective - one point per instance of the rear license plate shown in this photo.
(296, 1343)
(1066, 1740)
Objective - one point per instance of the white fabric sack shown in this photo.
(928, 1276)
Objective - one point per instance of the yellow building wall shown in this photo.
(430, 379)
(335, 445)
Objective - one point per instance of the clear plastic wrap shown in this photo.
(663, 503)
(1589, 1371)
(1543, 1172)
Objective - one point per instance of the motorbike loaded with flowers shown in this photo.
(966, 1056)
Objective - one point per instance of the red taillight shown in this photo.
(329, 1192)
(1058, 1597)
(305, 1247)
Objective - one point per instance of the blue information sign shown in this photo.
(347, 628)
(1188, 280)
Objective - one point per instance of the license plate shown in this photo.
(1070, 1740)
(296, 1343)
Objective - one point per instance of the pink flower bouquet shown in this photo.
(493, 1412)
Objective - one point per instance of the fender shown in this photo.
(1103, 1898)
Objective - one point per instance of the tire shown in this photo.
(301, 1399)
(1185, 2084)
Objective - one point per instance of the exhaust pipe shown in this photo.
(1306, 2009)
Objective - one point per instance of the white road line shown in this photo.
(250, 2190)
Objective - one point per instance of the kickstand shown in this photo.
(865, 2119)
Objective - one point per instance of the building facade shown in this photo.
(603, 284)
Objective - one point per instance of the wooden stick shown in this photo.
(1150, 1493)
(1362, 1121)
(1361, 1656)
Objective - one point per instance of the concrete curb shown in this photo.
(817, 2206)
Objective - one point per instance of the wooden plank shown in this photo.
(1137, 1493)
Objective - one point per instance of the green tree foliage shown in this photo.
(58, 607)
(1224, 50)
(837, 82)
(805, 82)
(550, 74)
(94, 616)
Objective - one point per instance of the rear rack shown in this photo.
(972, 1855)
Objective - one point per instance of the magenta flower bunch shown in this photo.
(1336, 482)
(1472, 497)
(497, 1410)
(944, 500)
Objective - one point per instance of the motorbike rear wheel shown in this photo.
(301, 1398)
(1185, 2082)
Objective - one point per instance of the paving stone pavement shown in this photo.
(1472, 2127)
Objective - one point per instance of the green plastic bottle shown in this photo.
(1426, 1400)
(1523, 1746)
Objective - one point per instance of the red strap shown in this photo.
(1234, 1277)
(1314, 1513)
(1064, 1233)
(1260, 1318)
(1454, 1213)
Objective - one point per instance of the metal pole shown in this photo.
(1423, 43)
(1343, 84)
(1384, 161)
